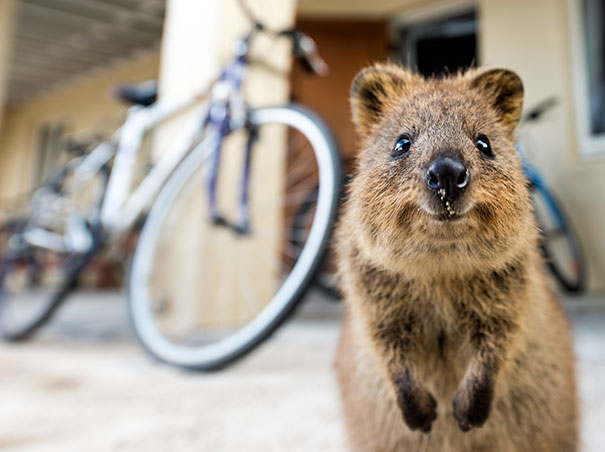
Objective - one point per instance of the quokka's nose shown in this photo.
(447, 177)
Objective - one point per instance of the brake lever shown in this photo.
(306, 50)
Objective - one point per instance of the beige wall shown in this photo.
(533, 38)
(83, 106)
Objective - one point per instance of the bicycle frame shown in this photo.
(531, 172)
(224, 110)
(121, 208)
(538, 183)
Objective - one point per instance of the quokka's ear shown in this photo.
(371, 90)
(504, 89)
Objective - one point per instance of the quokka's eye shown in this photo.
(402, 146)
(482, 143)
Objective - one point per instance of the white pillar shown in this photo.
(197, 40)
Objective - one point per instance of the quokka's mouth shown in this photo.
(443, 212)
(448, 216)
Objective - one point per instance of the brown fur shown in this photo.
(451, 340)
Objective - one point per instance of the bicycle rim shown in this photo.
(33, 284)
(231, 291)
(559, 243)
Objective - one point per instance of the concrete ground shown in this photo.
(84, 385)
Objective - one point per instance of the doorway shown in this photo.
(439, 47)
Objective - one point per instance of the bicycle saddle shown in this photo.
(145, 93)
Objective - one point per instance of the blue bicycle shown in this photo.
(560, 244)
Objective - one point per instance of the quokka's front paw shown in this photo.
(417, 405)
(472, 403)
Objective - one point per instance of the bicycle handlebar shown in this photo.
(535, 113)
(304, 47)
(306, 52)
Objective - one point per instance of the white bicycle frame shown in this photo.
(122, 204)
(121, 207)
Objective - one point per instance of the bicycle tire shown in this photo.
(286, 298)
(55, 301)
(71, 268)
(322, 279)
(572, 280)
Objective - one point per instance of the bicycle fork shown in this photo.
(242, 225)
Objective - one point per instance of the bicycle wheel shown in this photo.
(200, 294)
(560, 245)
(325, 278)
(38, 267)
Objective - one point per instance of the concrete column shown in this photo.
(201, 264)
(7, 29)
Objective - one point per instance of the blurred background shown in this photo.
(59, 61)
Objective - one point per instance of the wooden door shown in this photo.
(347, 47)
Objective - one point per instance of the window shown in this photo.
(439, 46)
(595, 46)
(588, 59)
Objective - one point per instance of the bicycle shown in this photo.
(184, 189)
(559, 242)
